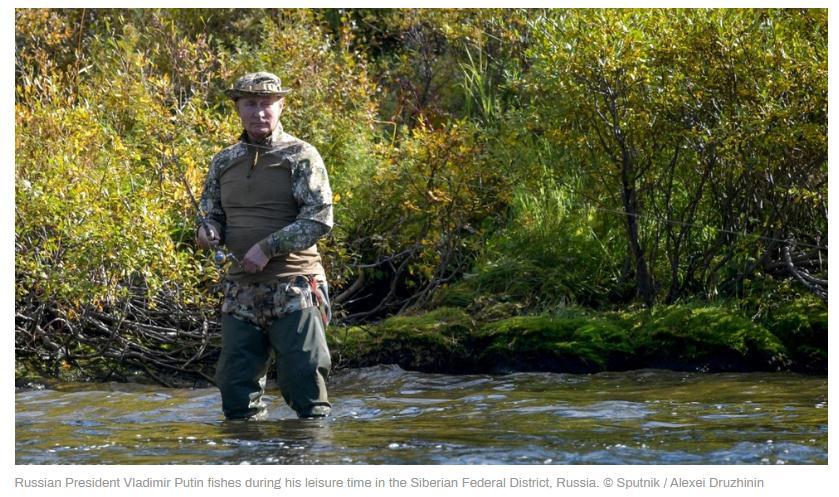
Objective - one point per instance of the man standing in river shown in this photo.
(267, 198)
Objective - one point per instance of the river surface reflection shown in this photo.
(385, 415)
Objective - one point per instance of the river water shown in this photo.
(385, 415)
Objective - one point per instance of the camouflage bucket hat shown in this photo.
(257, 84)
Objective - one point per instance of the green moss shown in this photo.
(686, 337)
(431, 341)
(801, 325)
(716, 337)
(553, 342)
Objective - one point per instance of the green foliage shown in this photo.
(685, 337)
(566, 343)
(801, 325)
(503, 162)
(685, 144)
(433, 341)
(98, 175)
(715, 335)
(422, 215)
(552, 252)
(96, 213)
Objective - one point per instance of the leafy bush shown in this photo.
(503, 162)
(113, 112)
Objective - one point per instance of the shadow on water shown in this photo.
(384, 415)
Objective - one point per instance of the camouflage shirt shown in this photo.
(309, 188)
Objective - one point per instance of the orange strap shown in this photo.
(313, 284)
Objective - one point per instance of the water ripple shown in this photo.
(385, 415)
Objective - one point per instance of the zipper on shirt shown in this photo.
(253, 166)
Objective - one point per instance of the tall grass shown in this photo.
(552, 253)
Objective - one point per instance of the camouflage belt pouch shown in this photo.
(261, 303)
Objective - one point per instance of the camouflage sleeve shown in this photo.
(210, 203)
(310, 186)
(299, 235)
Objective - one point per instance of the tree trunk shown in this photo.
(643, 278)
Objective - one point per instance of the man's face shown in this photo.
(259, 115)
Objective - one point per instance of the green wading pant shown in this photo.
(302, 357)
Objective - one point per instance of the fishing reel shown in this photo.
(221, 257)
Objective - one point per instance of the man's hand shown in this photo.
(254, 260)
(207, 240)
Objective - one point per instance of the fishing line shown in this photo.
(220, 256)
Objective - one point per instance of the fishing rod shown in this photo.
(220, 256)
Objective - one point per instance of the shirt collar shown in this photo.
(268, 141)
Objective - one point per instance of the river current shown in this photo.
(385, 415)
